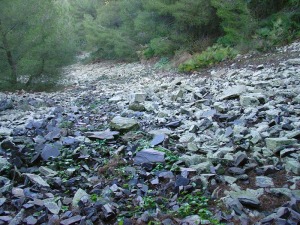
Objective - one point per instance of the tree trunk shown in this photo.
(37, 74)
(11, 62)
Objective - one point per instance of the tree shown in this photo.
(35, 41)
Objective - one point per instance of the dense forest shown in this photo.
(37, 37)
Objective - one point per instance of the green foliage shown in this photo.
(210, 56)
(33, 42)
(195, 204)
(236, 21)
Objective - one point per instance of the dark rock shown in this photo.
(6, 104)
(158, 139)
(241, 159)
(149, 156)
(71, 220)
(236, 171)
(181, 181)
(50, 151)
(30, 220)
(174, 124)
(108, 212)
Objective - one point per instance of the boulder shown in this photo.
(123, 124)
(274, 143)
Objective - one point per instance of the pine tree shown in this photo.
(35, 41)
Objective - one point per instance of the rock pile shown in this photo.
(127, 145)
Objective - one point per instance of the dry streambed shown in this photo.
(125, 144)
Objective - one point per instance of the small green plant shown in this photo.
(195, 204)
(66, 124)
(212, 55)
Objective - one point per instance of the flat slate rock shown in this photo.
(71, 220)
(246, 198)
(158, 139)
(149, 156)
(102, 135)
(36, 179)
(50, 151)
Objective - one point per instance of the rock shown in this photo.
(108, 212)
(158, 139)
(52, 207)
(274, 143)
(5, 185)
(253, 99)
(186, 138)
(136, 107)
(246, 198)
(123, 124)
(5, 131)
(263, 182)
(115, 99)
(30, 220)
(181, 181)
(293, 62)
(50, 151)
(202, 167)
(5, 104)
(37, 179)
(4, 164)
(191, 220)
(293, 166)
(18, 218)
(71, 220)
(80, 193)
(138, 97)
(233, 92)
(2, 201)
(47, 172)
(149, 156)
(241, 159)
(102, 135)
(236, 171)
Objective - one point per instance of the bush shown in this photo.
(159, 47)
(212, 55)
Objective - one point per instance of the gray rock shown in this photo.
(202, 167)
(4, 164)
(248, 101)
(5, 104)
(30, 220)
(263, 182)
(50, 151)
(47, 172)
(18, 218)
(139, 97)
(233, 92)
(274, 143)
(52, 207)
(123, 124)
(293, 62)
(5, 131)
(149, 156)
(102, 135)
(293, 166)
(246, 198)
(192, 159)
(5, 185)
(37, 179)
(191, 220)
(136, 107)
(78, 196)
(157, 139)
(71, 220)
(281, 191)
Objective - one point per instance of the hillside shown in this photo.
(128, 144)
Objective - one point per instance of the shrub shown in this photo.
(212, 55)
